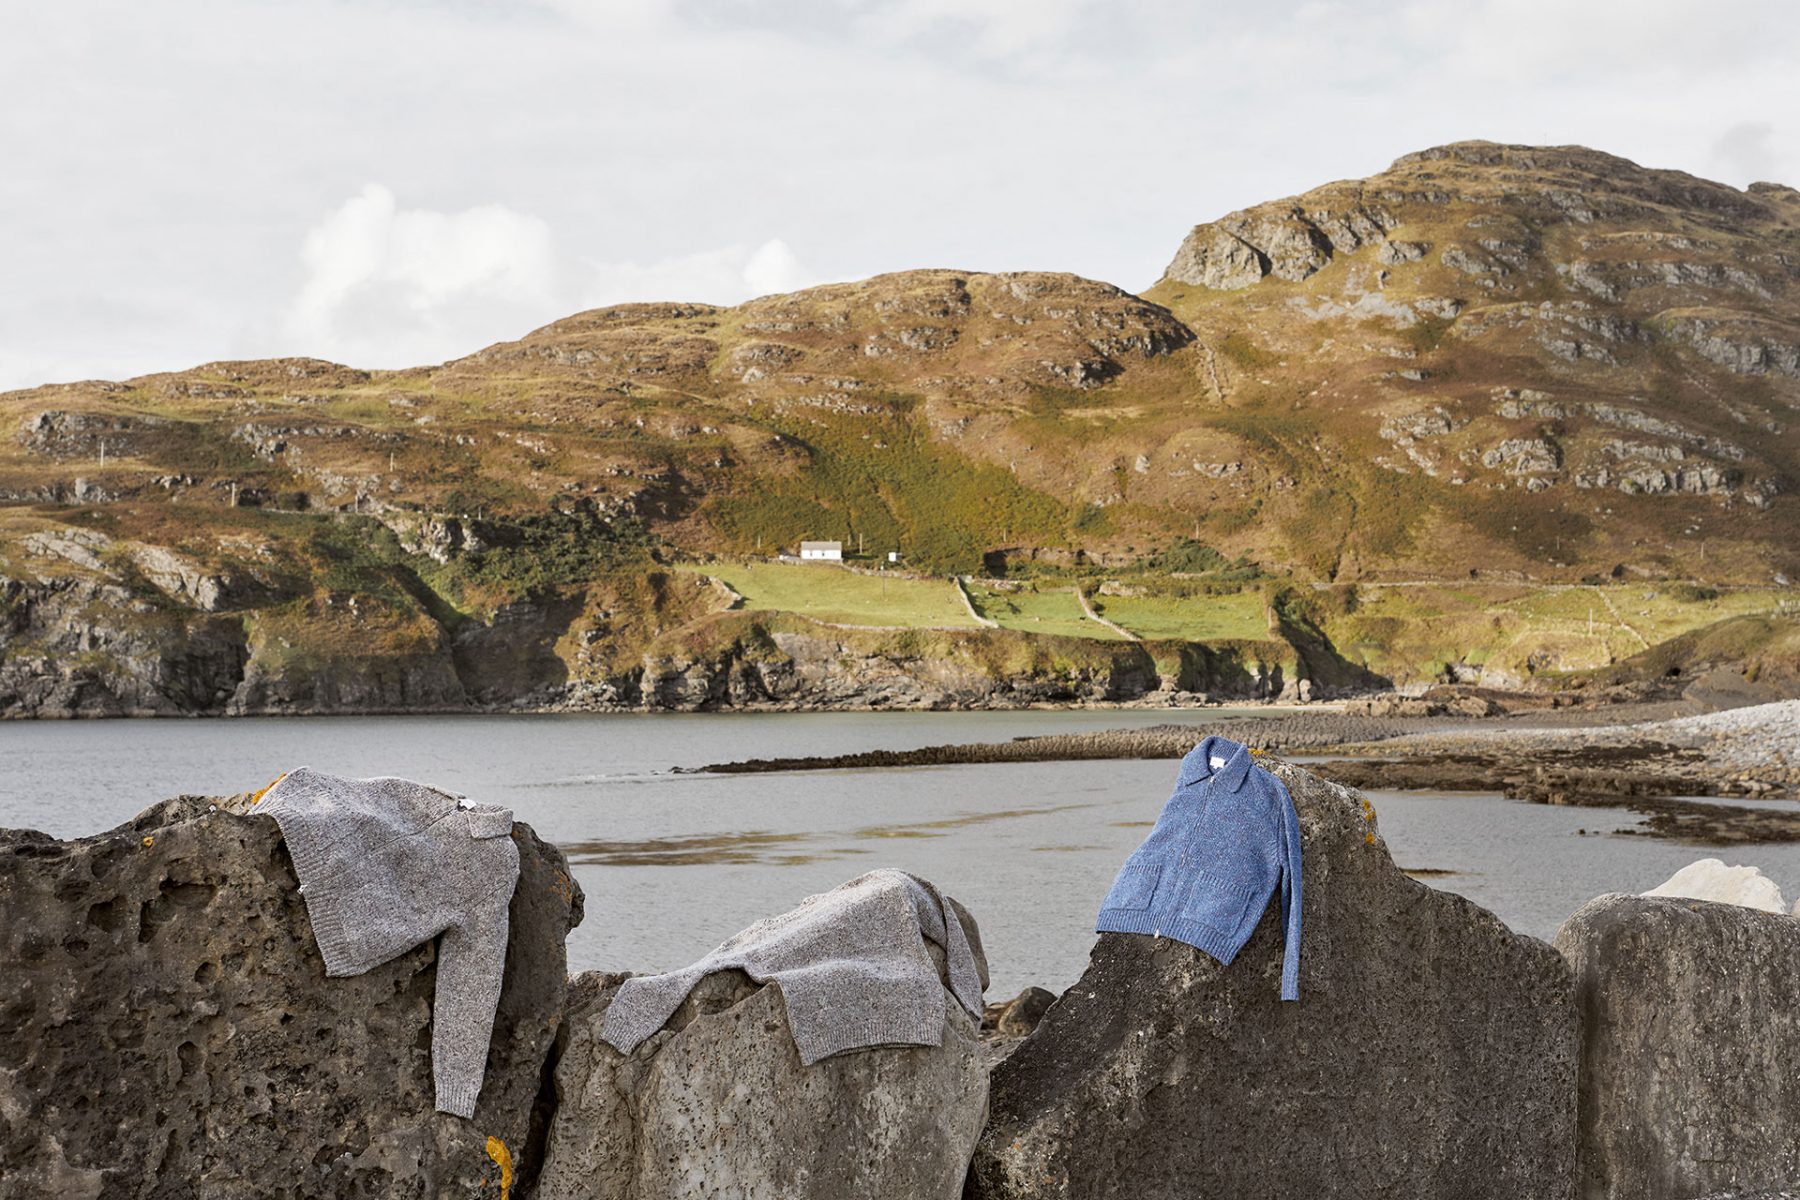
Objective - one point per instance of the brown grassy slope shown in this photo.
(1544, 362)
(1509, 358)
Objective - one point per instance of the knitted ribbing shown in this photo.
(1226, 839)
(385, 864)
(851, 963)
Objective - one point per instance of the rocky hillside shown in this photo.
(1536, 359)
(1513, 364)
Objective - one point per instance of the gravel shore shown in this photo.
(1757, 746)
(1668, 769)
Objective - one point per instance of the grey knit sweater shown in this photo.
(851, 963)
(385, 864)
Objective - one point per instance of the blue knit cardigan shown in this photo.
(1226, 839)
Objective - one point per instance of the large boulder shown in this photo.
(1431, 1054)
(167, 1029)
(718, 1104)
(1690, 1014)
(1711, 879)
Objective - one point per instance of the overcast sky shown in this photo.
(392, 182)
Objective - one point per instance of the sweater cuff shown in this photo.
(335, 946)
(458, 1100)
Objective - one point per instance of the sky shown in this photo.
(395, 182)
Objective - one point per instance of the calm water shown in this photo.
(672, 864)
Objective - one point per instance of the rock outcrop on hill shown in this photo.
(1541, 295)
(1690, 1016)
(1432, 1053)
(167, 1029)
(718, 1103)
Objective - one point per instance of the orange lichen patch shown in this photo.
(497, 1151)
(1369, 839)
(563, 887)
(256, 798)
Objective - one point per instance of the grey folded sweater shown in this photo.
(385, 864)
(851, 963)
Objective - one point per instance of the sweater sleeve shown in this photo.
(1290, 897)
(470, 970)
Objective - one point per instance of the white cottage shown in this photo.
(822, 551)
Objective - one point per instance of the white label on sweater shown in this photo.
(1217, 762)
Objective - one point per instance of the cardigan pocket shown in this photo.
(1216, 901)
(1135, 886)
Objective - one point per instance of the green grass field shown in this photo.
(1032, 608)
(1238, 615)
(1410, 630)
(828, 593)
(1516, 625)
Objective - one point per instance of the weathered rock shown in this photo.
(718, 1104)
(1215, 258)
(439, 538)
(1282, 240)
(167, 1029)
(1020, 1015)
(1394, 253)
(1690, 1015)
(67, 434)
(1743, 343)
(1430, 422)
(183, 579)
(1523, 456)
(1431, 1054)
(76, 645)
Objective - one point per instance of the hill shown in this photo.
(1533, 369)
(1545, 360)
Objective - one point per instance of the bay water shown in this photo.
(674, 863)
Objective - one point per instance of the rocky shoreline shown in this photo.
(1658, 768)
(167, 1029)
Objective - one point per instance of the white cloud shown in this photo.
(1746, 152)
(388, 286)
(998, 27)
(725, 276)
(539, 155)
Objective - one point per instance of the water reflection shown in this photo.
(770, 849)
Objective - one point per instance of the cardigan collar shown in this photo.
(1197, 766)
